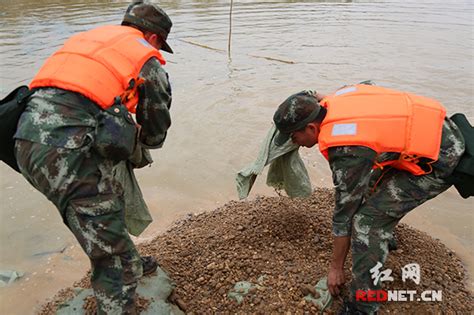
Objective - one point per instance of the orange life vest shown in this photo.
(386, 121)
(101, 64)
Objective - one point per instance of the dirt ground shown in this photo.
(289, 242)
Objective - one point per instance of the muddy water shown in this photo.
(222, 107)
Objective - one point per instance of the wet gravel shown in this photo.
(288, 241)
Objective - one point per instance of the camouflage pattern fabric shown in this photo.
(82, 186)
(370, 216)
(55, 150)
(153, 108)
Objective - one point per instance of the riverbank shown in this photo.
(288, 242)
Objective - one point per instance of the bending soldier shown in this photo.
(77, 127)
(388, 151)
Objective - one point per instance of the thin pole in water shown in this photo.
(230, 26)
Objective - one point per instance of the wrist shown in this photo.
(337, 265)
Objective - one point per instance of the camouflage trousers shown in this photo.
(396, 194)
(81, 185)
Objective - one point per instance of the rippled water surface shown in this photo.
(222, 105)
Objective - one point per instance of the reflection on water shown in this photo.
(222, 107)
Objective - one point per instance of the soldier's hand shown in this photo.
(336, 280)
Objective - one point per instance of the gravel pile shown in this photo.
(288, 241)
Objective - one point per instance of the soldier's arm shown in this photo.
(336, 276)
(351, 167)
(153, 108)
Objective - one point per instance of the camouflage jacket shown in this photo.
(354, 177)
(61, 118)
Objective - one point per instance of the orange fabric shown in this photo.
(386, 121)
(100, 64)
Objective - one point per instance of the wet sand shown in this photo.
(286, 241)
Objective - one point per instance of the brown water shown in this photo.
(222, 107)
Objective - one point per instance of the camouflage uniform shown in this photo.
(370, 216)
(56, 154)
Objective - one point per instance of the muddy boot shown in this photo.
(149, 265)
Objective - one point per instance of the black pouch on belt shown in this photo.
(463, 175)
(116, 133)
(11, 108)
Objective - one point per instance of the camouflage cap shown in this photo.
(150, 17)
(294, 114)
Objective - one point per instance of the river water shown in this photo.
(223, 105)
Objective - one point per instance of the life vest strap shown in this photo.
(406, 162)
(131, 91)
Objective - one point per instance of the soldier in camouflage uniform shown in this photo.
(365, 216)
(57, 154)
